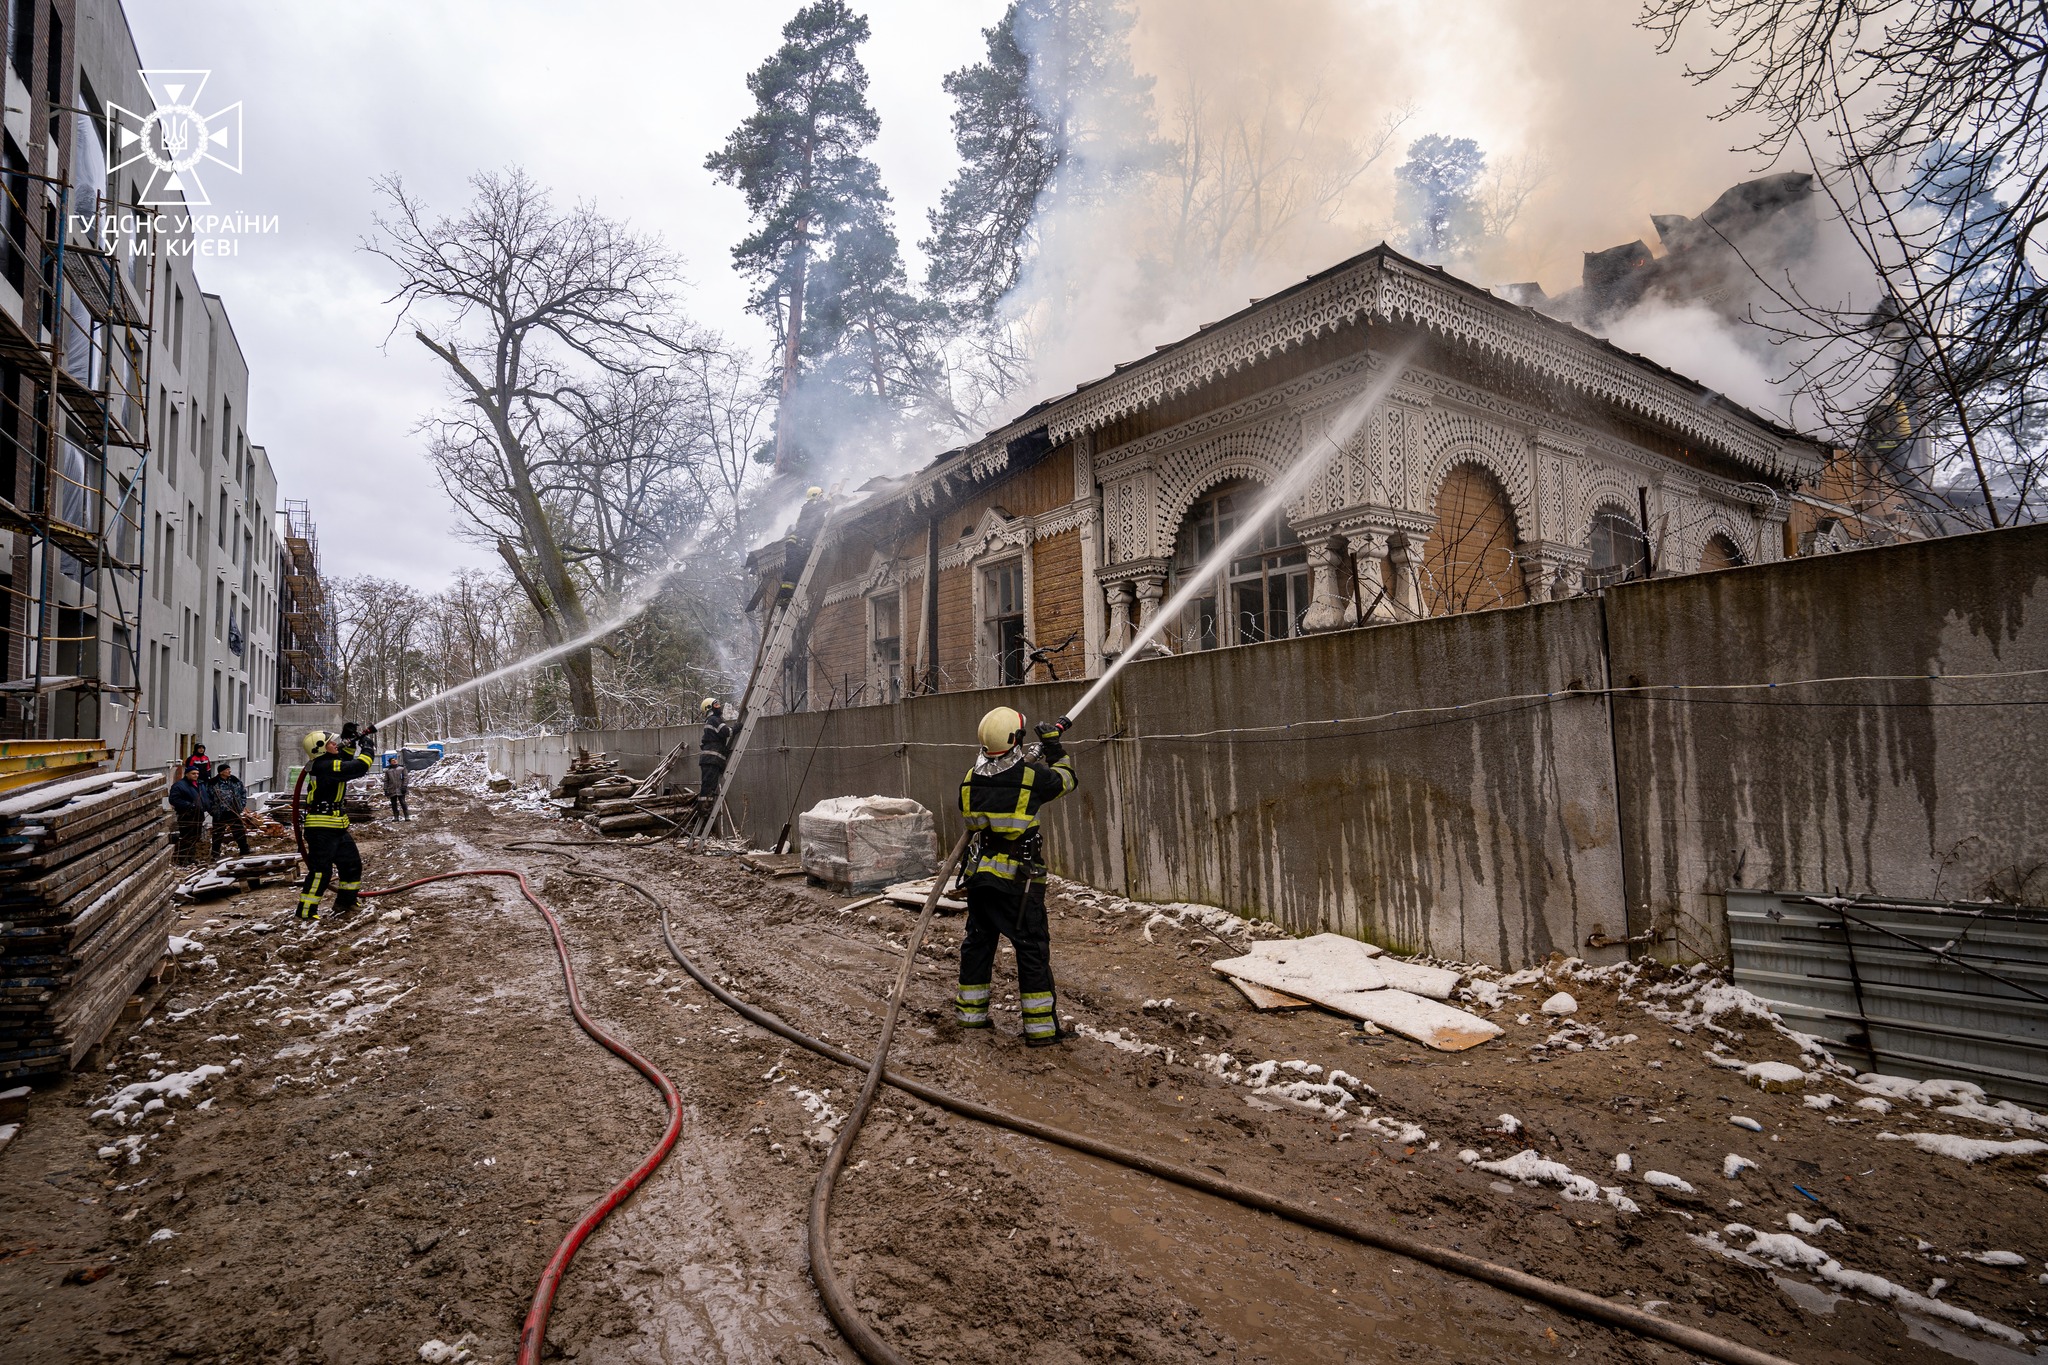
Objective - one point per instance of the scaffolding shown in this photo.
(306, 647)
(75, 375)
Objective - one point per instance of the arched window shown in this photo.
(1620, 550)
(1470, 564)
(1262, 594)
(1720, 552)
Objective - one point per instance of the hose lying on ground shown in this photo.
(534, 1332)
(1576, 1302)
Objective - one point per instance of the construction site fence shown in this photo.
(1560, 777)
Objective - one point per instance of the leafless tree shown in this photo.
(377, 628)
(527, 306)
(1924, 122)
(1510, 180)
(1246, 170)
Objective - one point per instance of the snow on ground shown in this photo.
(1967, 1149)
(1786, 1250)
(1530, 1168)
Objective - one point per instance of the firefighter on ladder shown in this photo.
(796, 546)
(331, 855)
(1004, 868)
(713, 750)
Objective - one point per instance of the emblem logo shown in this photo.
(176, 138)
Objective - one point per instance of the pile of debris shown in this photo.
(604, 796)
(1357, 979)
(85, 911)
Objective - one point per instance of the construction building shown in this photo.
(305, 640)
(139, 541)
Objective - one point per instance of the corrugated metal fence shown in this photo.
(1912, 988)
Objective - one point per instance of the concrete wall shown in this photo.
(1501, 817)
(1849, 786)
(1483, 835)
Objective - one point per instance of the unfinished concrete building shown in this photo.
(1515, 458)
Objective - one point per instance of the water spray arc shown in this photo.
(1291, 481)
(637, 601)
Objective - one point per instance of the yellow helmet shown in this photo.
(314, 742)
(813, 493)
(1001, 729)
(710, 704)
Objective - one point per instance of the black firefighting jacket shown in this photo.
(1000, 799)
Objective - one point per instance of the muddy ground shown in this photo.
(407, 1121)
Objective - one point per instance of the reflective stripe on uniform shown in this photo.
(1039, 1020)
(327, 822)
(348, 886)
(971, 1006)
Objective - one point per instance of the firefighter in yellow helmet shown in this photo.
(331, 855)
(1004, 868)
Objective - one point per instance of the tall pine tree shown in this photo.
(1055, 111)
(825, 261)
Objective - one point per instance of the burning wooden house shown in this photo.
(1515, 458)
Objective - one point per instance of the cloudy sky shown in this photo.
(619, 102)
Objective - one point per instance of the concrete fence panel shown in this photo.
(1916, 789)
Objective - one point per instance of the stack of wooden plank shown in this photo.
(591, 779)
(631, 814)
(25, 762)
(85, 911)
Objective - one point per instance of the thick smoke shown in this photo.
(1263, 116)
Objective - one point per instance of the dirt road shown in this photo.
(405, 1120)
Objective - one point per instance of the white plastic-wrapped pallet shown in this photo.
(864, 843)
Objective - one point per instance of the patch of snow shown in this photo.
(1775, 1076)
(1403, 1133)
(1485, 994)
(1789, 1251)
(1807, 1229)
(1663, 1180)
(1123, 1041)
(1967, 1149)
(1876, 1106)
(2004, 1114)
(1733, 1166)
(1560, 1005)
(1532, 1169)
(1745, 1121)
(161, 1235)
(1624, 1163)
(1510, 1125)
(177, 945)
(2004, 1258)
(1821, 1101)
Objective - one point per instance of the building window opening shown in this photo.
(1004, 586)
(887, 615)
(1621, 552)
(1720, 552)
(1266, 588)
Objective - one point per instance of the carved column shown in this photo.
(1405, 560)
(1151, 592)
(1369, 562)
(1116, 636)
(1330, 607)
(1551, 570)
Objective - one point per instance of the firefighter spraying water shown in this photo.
(332, 762)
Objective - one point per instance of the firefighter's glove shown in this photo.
(1049, 741)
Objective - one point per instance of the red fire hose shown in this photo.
(533, 1334)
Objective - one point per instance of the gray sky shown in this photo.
(619, 102)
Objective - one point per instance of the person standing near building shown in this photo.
(199, 760)
(226, 799)
(1004, 869)
(397, 778)
(712, 751)
(188, 803)
(331, 853)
